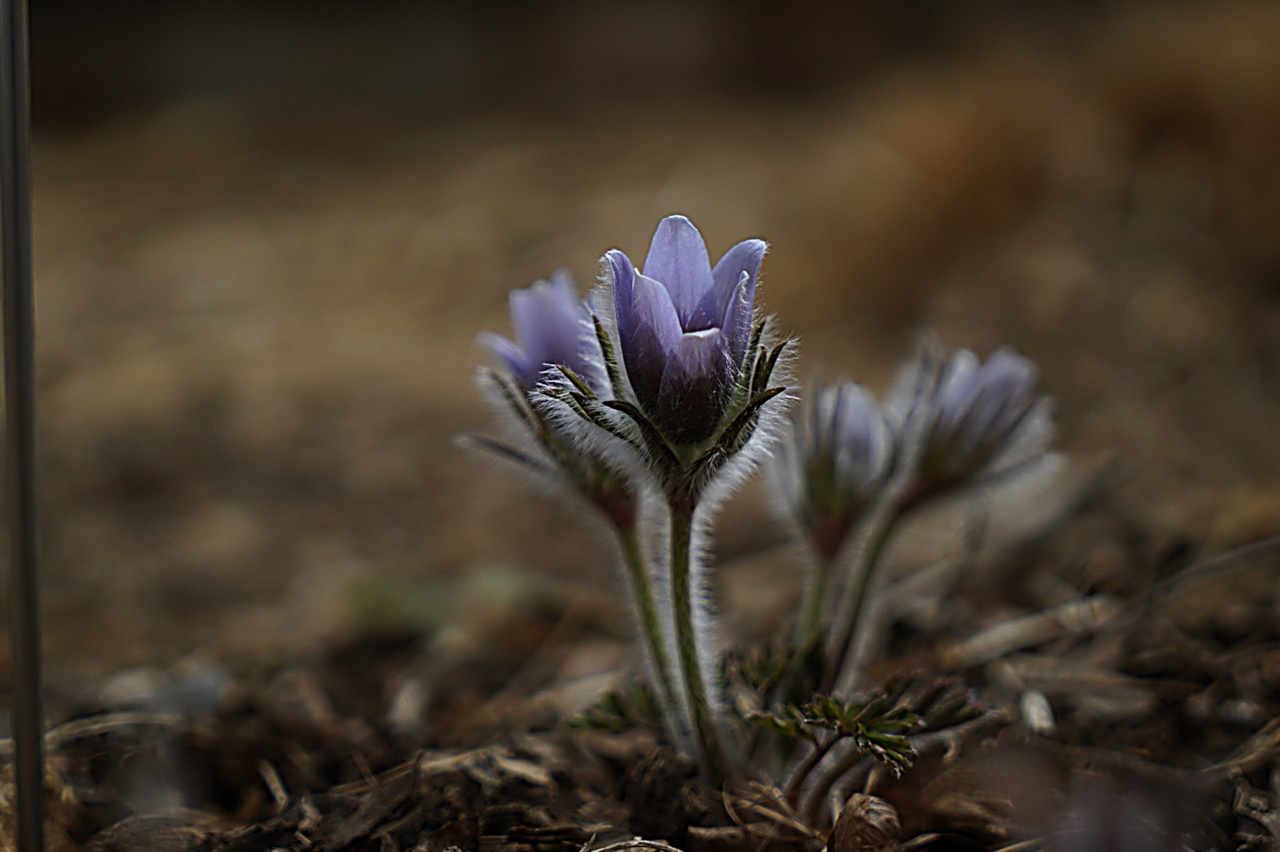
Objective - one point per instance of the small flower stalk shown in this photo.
(554, 335)
(960, 424)
(833, 463)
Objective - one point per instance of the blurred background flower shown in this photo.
(552, 329)
(966, 423)
(833, 461)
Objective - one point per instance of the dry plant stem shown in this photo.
(795, 783)
(20, 474)
(880, 527)
(1016, 634)
(92, 726)
(696, 686)
(650, 622)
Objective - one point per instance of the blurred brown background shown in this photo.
(268, 232)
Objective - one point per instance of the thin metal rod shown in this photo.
(19, 456)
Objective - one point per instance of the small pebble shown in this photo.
(1037, 712)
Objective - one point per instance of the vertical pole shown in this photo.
(19, 455)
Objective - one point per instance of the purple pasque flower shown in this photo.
(971, 421)
(684, 327)
(552, 328)
(835, 460)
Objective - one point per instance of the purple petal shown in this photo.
(622, 276)
(736, 322)
(746, 257)
(1004, 393)
(551, 328)
(851, 421)
(861, 435)
(824, 421)
(549, 324)
(695, 386)
(678, 259)
(652, 329)
(956, 390)
(525, 373)
(651, 306)
(694, 356)
(1009, 371)
(547, 320)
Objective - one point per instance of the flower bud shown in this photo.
(834, 461)
(552, 329)
(970, 422)
(684, 327)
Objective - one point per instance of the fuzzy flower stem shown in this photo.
(808, 630)
(696, 685)
(646, 608)
(879, 528)
(811, 808)
(810, 623)
(795, 783)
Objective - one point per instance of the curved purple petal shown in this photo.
(654, 330)
(678, 258)
(508, 351)
(860, 435)
(551, 328)
(651, 305)
(547, 318)
(1003, 395)
(737, 319)
(746, 257)
(695, 386)
(622, 275)
(956, 390)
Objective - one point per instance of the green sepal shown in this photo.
(747, 369)
(732, 439)
(513, 397)
(649, 434)
(765, 366)
(510, 453)
(612, 367)
(790, 721)
(516, 398)
(576, 381)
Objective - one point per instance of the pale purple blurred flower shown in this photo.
(684, 327)
(971, 421)
(552, 328)
(834, 461)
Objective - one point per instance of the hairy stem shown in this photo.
(808, 629)
(810, 623)
(875, 536)
(795, 782)
(811, 808)
(697, 687)
(650, 622)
